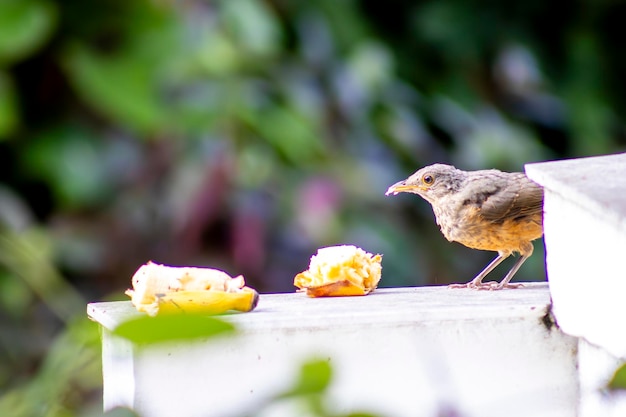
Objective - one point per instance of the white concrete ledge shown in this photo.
(397, 352)
(585, 237)
(595, 184)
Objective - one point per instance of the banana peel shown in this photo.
(336, 289)
(338, 271)
(169, 289)
(207, 302)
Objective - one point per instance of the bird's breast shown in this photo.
(466, 226)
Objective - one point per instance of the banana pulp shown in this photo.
(340, 271)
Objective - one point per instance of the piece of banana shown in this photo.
(155, 284)
(340, 271)
(207, 302)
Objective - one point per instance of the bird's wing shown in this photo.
(519, 198)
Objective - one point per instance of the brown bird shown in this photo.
(488, 210)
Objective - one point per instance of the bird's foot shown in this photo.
(486, 286)
(476, 285)
(508, 285)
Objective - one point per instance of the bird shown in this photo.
(488, 210)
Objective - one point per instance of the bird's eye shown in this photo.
(428, 179)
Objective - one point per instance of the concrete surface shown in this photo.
(585, 239)
(396, 352)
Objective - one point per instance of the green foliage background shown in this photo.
(245, 134)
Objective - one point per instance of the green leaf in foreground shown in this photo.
(360, 414)
(168, 328)
(315, 377)
(618, 382)
(120, 412)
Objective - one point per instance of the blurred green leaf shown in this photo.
(292, 135)
(247, 34)
(73, 164)
(170, 328)
(591, 119)
(120, 412)
(8, 107)
(25, 25)
(254, 27)
(218, 55)
(256, 165)
(372, 64)
(360, 414)
(29, 256)
(314, 378)
(123, 87)
(347, 22)
(73, 363)
(15, 296)
(74, 355)
(129, 83)
(449, 26)
(618, 381)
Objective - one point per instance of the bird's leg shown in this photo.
(477, 283)
(505, 281)
(528, 250)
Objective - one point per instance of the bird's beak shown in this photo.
(401, 187)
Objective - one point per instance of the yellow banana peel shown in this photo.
(207, 302)
(336, 289)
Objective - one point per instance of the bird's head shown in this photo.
(431, 182)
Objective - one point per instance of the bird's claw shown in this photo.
(486, 286)
(489, 286)
(509, 285)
